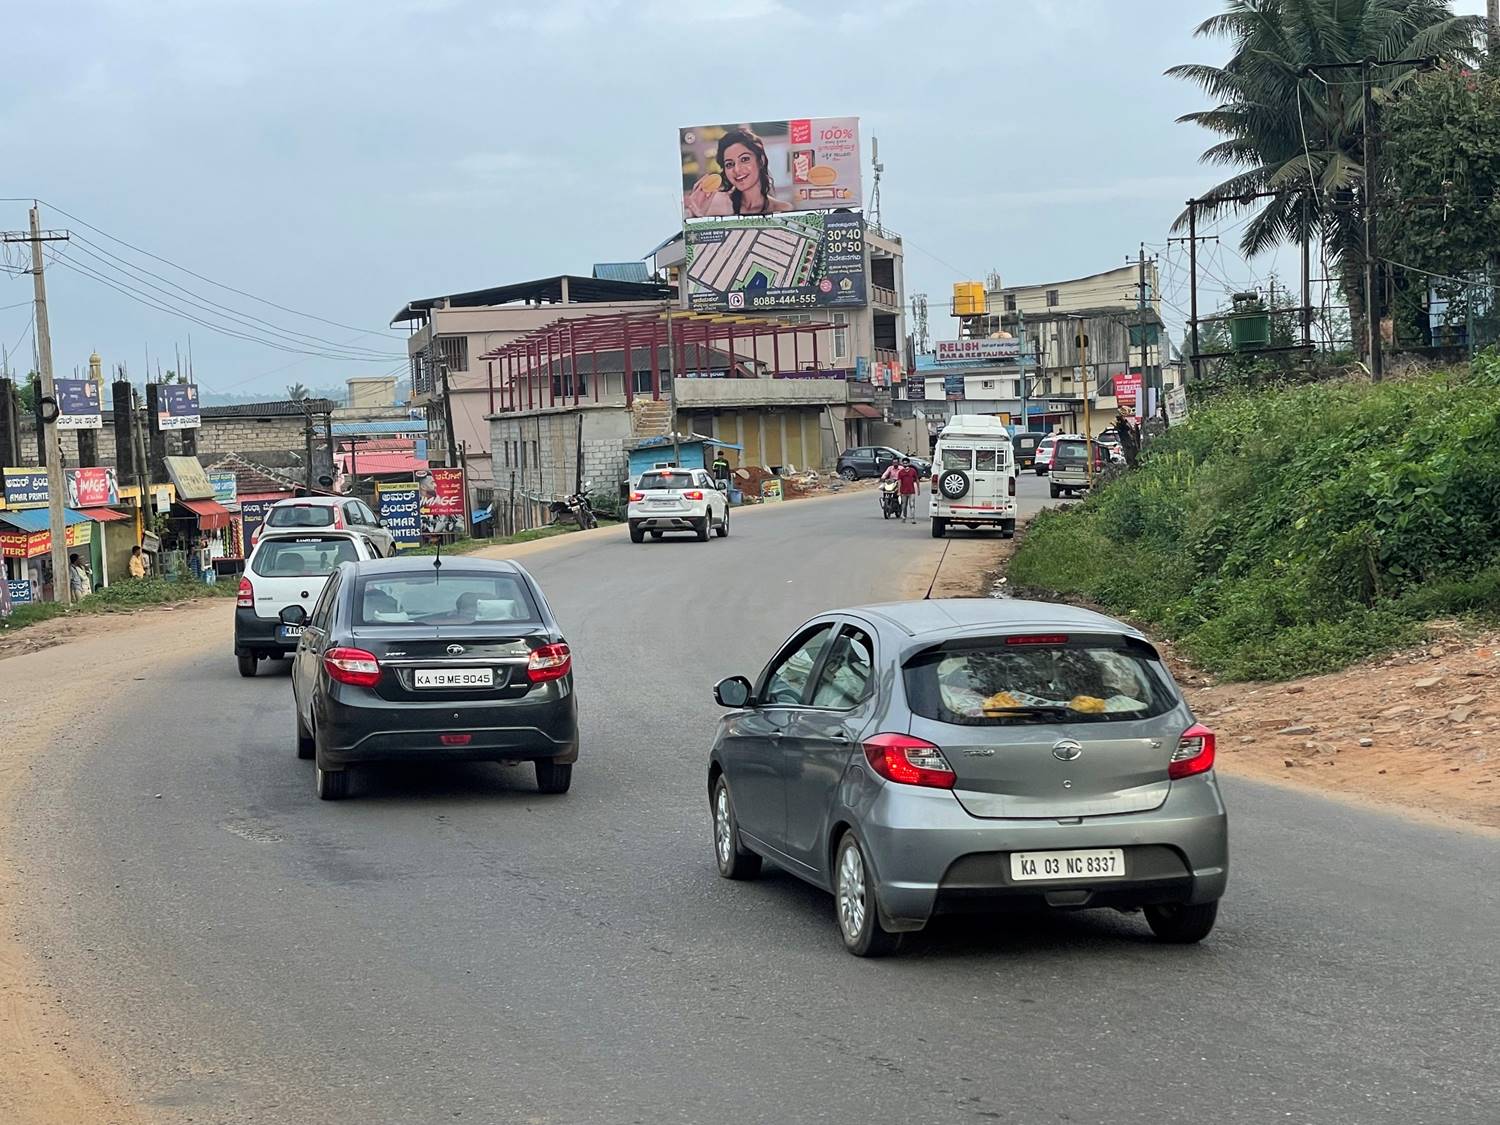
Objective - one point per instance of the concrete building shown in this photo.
(449, 333)
(371, 392)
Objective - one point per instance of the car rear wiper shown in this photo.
(1024, 709)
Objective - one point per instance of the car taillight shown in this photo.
(550, 662)
(1038, 639)
(1194, 753)
(352, 666)
(1012, 486)
(693, 494)
(245, 598)
(908, 761)
(634, 496)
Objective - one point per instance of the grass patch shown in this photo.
(1293, 531)
(122, 597)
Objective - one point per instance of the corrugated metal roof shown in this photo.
(622, 271)
(38, 519)
(392, 426)
(283, 409)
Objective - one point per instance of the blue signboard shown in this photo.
(252, 515)
(20, 592)
(26, 488)
(226, 487)
(78, 405)
(177, 406)
(401, 512)
(953, 386)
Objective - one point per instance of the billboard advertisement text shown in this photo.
(92, 487)
(177, 406)
(226, 487)
(252, 515)
(766, 167)
(1128, 388)
(78, 405)
(977, 351)
(26, 488)
(777, 262)
(442, 501)
(400, 512)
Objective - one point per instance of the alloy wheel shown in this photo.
(723, 828)
(852, 893)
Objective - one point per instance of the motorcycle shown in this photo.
(890, 499)
(577, 508)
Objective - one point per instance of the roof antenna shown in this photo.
(437, 562)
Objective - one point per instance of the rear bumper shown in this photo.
(931, 857)
(356, 726)
(685, 520)
(258, 634)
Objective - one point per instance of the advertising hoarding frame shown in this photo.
(442, 500)
(735, 265)
(177, 407)
(92, 486)
(813, 164)
(78, 405)
(400, 510)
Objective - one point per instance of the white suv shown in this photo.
(323, 513)
(677, 500)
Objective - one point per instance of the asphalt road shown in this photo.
(452, 945)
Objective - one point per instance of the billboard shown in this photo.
(226, 487)
(252, 515)
(20, 591)
(767, 167)
(78, 405)
(1128, 388)
(400, 512)
(26, 488)
(777, 262)
(91, 487)
(977, 351)
(441, 501)
(177, 406)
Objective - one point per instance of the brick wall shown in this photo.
(217, 436)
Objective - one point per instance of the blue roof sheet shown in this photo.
(36, 519)
(392, 426)
(621, 271)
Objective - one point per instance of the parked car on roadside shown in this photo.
(861, 462)
(320, 512)
(1024, 445)
(1070, 471)
(938, 757)
(666, 500)
(1044, 451)
(433, 660)
(287, 568)
(975, 481)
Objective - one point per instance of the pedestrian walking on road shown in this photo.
(137, 563)
(908, 477)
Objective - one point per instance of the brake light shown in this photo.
(1038, 639)
(1012, 486)
(550, 662)
(634, 496)
(1194, 753)
(455, 739)
(908, 761)
(245, 597)
(693, 494)
(352, 666)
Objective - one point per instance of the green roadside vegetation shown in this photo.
(122, 597)
(1287, 531)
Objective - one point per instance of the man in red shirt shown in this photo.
(908, 476)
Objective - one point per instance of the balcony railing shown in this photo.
(886, 297)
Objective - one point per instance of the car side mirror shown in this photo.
(733, 692)
(293, 615)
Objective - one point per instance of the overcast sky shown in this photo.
(340, 157)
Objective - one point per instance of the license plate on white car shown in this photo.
(454, 677)
(289, 632)
(1090, 863)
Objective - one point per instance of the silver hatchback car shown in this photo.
(971, 755)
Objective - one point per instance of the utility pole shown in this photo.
(1306, 233)
(1193, 286)
(1147, 383)
(48, 438)
(442, 366)
(672, 387)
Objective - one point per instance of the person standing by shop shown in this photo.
(721, 470)
(79, 582)
(137, 563)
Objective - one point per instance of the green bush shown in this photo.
(1294, 530)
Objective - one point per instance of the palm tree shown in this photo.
(296, 392)
(1284, 129)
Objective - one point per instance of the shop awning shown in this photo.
(36, 519)
(860, 410)
(103, 515)
(211, 514)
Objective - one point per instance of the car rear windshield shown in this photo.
(301, 515)
(1070, 451)
(444, 599)
(652, 482)
(1007, 680)
(311, 557)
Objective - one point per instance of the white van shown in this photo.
(974, 476)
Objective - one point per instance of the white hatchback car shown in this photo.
(322, 513)
(677, 500)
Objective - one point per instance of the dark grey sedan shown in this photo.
(421, 660)
(971, 755)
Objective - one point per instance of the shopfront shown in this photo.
(26, 550)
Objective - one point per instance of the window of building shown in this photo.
(1052, 298)
(1010, 302)
(840, 337)
(640, 382)
(455, 352)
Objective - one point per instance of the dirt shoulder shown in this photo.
(50, 1074)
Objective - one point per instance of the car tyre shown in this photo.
(656, 535)
(331, 785)
(734, 860)
(305, 745)
(637, 535)
(247, 662)
(849, 473)
(701, 526)
(1054, 490)
(722, 531)
(939, 527)
(854, 903)
(553, 777)
(1182, 923)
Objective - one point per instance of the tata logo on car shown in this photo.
(1067, 750)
